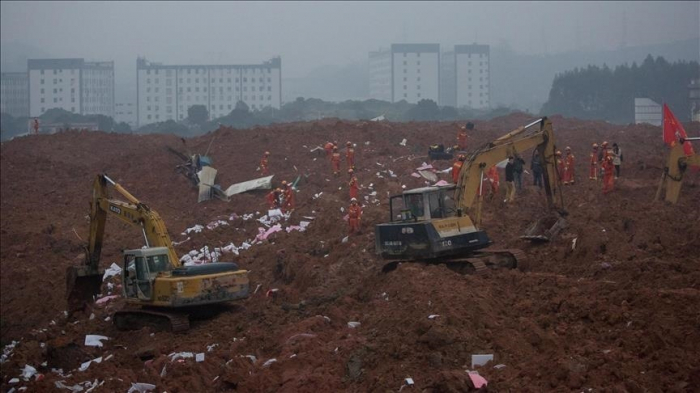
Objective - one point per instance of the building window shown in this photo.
(405, 95)
(405, 87)
(42, 72)
(148, 117)
(418, 87)
(42, 81)
(196, 89)
(418, 62)
(196, 80)
(269, 88)
(404, 71)
(72, 99)
(269, 80)
(148, 72)
(157, 90)
(405, 62)
(55, 100)
(72, 109)
(55, 81)
(148, 108)
(42, 100)
(148, 98)
(43, 110)
(189, 89)
(418, 79)
(418, 95)
(180, 80)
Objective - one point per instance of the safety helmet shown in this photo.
(284, 182)
(267, 153)
(568, 148)
(278, 189)
(351, 170)
(462, 157)
(335, 148)
(348, 143)
(595, 145)
(605, 143)
(353, 199)
(558, 153)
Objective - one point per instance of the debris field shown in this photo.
(612, 304)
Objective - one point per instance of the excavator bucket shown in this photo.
(545, 229)
(82, 285)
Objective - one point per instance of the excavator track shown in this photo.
(478, 263)
(159, 320)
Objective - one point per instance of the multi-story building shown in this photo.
(125, 112)
(448, 85)
(647, 111)
(75, 85)
(694, 97)
(472, 76)
(410, 72)
(14, 94)
(166, 92)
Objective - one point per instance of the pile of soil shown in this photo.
(612, 304)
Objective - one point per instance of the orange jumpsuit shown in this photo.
(328, 147)
(354, 214)
(494, 180)
(593, 174)
(608, 176)
(335, 162)
(456, 168)
(350, 157)
(263, 166)
(273, 199)
(569, 169)
(288, 194)
(462, 140)
(353, 187)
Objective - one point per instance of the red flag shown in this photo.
(674, 131)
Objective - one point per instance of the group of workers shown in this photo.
(607, 162)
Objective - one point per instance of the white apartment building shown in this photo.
(448, 84)
(472, 76)
(77, 86)
(125, 112)
(166, 92)
(409, 72)
(14, 94)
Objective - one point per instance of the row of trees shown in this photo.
(605, 94)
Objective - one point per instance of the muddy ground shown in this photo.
(618, 312)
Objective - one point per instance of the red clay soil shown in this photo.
(620, 312)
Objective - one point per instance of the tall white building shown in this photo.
(448, 84)
(166, 92)
(14, 94)
(125, 112)
(408, 72)
(472, 76)
(75, 85)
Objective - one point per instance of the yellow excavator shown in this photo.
(672, 177)
(433, 224)
(158, 289)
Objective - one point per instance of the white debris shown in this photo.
(409, 381)
(92, 316)
(28, 372)
(94, 340)
(178, 243)
(199, 357)
(316, 196)
(573, 243)
(403, 142)
(433, 316)
(13, 380)
(342, 209)
(7, 351)
(353, 325)
(211, 347)
(74, 388)
(269, 362)
(391, 173)
(216, 224)
(304, 224)
(480, 360)
(113, 270)
(164, 371)
(345, 239)
(141, 387)
(196, 229)
(499, 366)
(180, 355)
(252, 358)
(85, 365)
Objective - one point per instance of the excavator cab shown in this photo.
(141, 267)
(422, 204)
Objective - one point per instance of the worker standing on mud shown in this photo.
(335, 161)
(354, 216)
(457, 167)
(560, 165)
(510, 180)
(608, 168)
(602, 155)
(264, 164)
(494, 180)
(617, 159)
(350, 155)
(288, 196)
(536, 167)
(328, 147)
(352, 184)
(462, 136)
(518, 163)
(273, 198)
(568, 167)
(593, 173)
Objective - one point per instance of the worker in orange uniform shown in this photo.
(494, 181)
(560, 165)
(328, 147)
(602, 155)
(354, 216)
(350, 155)
(593, 174)
(335, 161)
(287, 196)
(462, 136)
(568, 167)
(457, 167)
(263, 164)
(608, 174)
(353, 184)
(273, 198)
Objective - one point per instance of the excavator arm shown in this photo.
(85, 281)
(674, 171)
(512, 144)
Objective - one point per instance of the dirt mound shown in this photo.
(612, 304)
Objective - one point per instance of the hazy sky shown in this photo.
(310, 34)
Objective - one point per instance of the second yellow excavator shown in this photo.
(433, 224)
(159, 291)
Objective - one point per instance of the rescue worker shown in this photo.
(328, 147)
(263, 164)
(608, 168)
(616, 154)
(510, 180)
(568, 167)
(354, 216)
(335, 161)
(536, 167)
(602, 155)
(273, 198)
(593, 173)
(350, 155)
(457, 167)
(288, 197)
(353, 184)
(493, 179)
(462, 136)
(560, 165)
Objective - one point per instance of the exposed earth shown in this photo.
(613, 304)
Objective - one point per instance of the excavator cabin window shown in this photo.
(158, 263)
